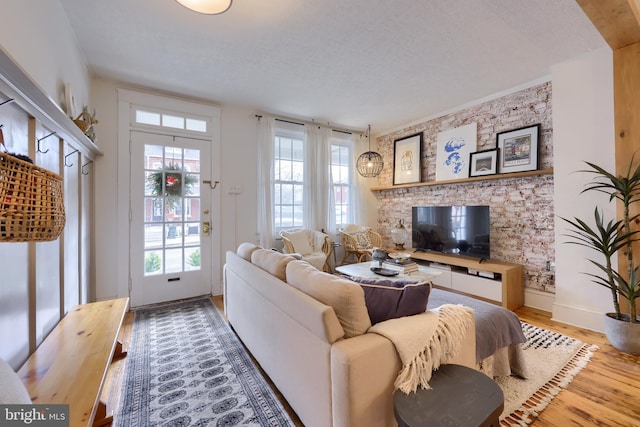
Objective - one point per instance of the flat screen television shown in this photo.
(455, 230)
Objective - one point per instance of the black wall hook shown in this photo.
(8, 101)
(65, 158)
(85, 165)
(40, 139)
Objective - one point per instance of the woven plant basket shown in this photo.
(31, 202)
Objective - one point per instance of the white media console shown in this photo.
(497, 281)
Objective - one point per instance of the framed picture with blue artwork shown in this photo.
(407, 155)
(454, 147)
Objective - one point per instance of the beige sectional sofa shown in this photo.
(320, 355)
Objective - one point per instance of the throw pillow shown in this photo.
(272, 262)
(362, 240)
(345, 296)
(13, 390)
(300, 241)
(390, 299)
(245, 249)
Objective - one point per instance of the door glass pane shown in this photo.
(192, 259)
(173, 260)
(172, 212)
(153, 236)
(152, 263)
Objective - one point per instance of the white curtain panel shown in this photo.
(266, 136)
(319, 198)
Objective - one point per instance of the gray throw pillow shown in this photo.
(389, 299)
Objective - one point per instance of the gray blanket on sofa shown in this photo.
(496, 327)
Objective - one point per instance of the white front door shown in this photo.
(170, 221)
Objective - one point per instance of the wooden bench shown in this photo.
(71, 364)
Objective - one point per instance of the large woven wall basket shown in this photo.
(31, 202)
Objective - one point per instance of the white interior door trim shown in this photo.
(127, 98)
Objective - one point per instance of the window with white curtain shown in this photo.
(292, 160)
(341, 178)
(288, 170)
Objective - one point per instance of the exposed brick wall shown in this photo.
(522, 217)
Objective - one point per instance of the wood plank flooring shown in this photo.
(605, 393)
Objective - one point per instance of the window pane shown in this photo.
(173, 263)
(172, 121)
(152, 263)
(191, 259)
(297, 171)
(147, 118)
(196, 125)
(192, 160)
(153, 236)
(340, 174)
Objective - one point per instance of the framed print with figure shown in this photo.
(484, 162)
(519, 149)
(407, 155)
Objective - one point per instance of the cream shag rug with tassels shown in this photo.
(552, 361)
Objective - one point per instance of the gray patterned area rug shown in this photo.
(186, 367)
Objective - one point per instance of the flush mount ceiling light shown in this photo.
(209, 7)
(369, 164)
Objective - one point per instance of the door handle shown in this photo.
(206, 228)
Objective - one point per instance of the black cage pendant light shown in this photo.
(369, 164)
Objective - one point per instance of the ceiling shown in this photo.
(348, 63)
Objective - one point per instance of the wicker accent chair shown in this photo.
(359, 241)
(313, 246)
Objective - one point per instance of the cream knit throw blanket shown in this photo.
(424, 341)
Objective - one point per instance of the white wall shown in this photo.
(583, 131)
(37, 35)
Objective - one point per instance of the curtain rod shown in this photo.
(306, 123)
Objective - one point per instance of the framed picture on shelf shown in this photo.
(484, 162)
(453, 147)
(407, 155)
(519, 149)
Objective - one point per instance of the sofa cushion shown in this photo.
(346, 297)
(13, 390)
(390, 299)
(274, 263)
(246, 249)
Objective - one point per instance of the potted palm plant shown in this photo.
(609, 238)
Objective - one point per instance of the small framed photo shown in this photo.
(483, 163)
(519, 149)
(407, 155)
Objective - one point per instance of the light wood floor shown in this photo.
(605, 393)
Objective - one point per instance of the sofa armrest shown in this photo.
(363, 370)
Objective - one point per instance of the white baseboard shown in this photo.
(577, 316)
(538, 299)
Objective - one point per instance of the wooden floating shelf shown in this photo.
(465, 180)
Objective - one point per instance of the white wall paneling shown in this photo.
(41, 281)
